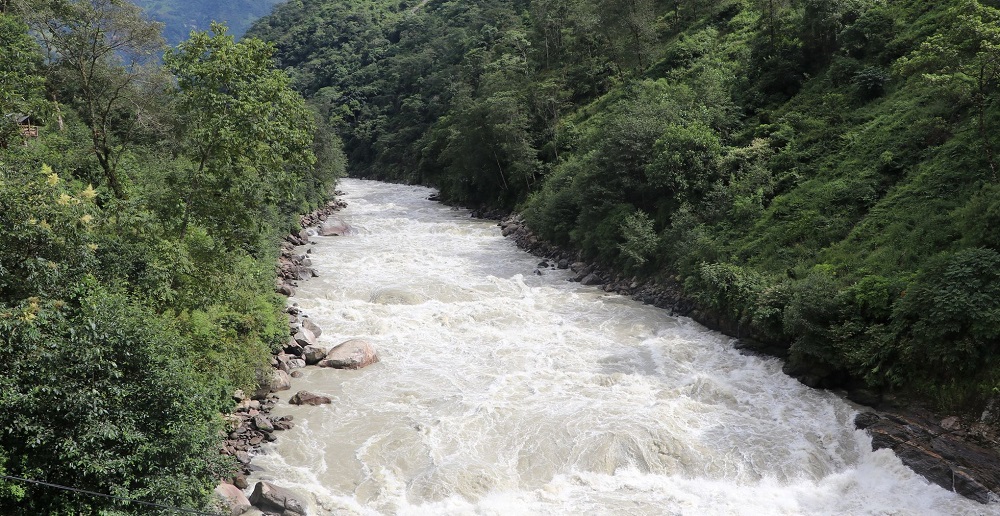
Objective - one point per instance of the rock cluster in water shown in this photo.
(961, 457)
(251, 424)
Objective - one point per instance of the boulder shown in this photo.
(270, 498)
(263, 424)
(313, 354)
(334, 226)
(929, 450)
(309, 398)
(313, 327)
(305, 337)
(591, 279)
(286, 290)
(352, 354)
(232, 498)
(280, 381)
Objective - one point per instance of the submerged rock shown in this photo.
(309, 398)
(352, 354)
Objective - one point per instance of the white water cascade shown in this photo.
(504, 392)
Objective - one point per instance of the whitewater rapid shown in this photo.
(505, 392)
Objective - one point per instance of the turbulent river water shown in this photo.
(505, 392)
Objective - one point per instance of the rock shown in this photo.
(305, 337)
(309, 398)
(864, 397)
(263, 424)
(313, 327)
(334, 226)
(563, 264)
(296, 374)
(232, 498)
(270, 498)
(243, 457)
(352, 354)
(591, 279)
(240, 481)
(951, 424)
(280, 381)
(286, 290)
(962, 466)
(578, 266)
(313, 354)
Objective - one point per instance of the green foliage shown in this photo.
(247, 135)
(118, 354)
(20, 85)
(948, 320)
(641, 241)
(97, 399)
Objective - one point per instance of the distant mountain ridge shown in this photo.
(180, 17)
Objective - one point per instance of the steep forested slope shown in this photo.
(821, 172)
(180, 17)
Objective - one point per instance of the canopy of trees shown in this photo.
(138, 237)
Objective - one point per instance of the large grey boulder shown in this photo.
(352, 354)
(280, 381)
(232, 498)
(305, 337)
(313, 327)
(334, 226)
(270, 498)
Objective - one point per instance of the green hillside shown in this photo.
(180, 17)
(821, 172)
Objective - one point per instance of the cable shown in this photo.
(113, 497)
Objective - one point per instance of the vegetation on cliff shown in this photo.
(140, 210)
(821, 172)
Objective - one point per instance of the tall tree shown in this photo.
(98, 49)
(247, 134)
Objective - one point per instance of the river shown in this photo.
(501, 391)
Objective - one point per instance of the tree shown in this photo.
(247, 134)
(20, 83)
(97, 50)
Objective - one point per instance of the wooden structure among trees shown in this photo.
(26, 124)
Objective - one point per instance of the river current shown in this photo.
(505, 392)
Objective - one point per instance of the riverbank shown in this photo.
(250, 424)
(956, 452)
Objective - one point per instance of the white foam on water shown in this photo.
(504, 392)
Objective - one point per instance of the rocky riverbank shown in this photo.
(955, 453)
(250, 424)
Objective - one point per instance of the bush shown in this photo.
(96, 398)
(948, 320)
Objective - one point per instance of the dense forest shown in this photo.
(823, 173)
(180, 17)
(141, 203)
